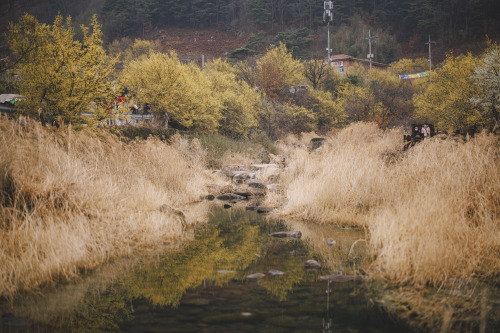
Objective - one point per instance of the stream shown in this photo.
(205, 286)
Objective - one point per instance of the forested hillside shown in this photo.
(397, 24)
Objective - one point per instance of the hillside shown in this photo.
(193, 30)
(191, 44)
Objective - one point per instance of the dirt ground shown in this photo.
(191, 44)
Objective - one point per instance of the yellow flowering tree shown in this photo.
(358, 103)
(61, 77)
(174, 91)
(447, 99)
(410, 66)
(277, 72)
(240, 102)
(326, 114)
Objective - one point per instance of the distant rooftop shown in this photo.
(343, 57)
(5, 98)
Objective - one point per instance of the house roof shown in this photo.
(4, 98)
(342, 57)
(339, 57)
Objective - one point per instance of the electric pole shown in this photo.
(370, 54)
(328, 17)
(430, 57)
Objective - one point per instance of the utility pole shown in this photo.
(370, 54)
(430, 57)
(328, 17)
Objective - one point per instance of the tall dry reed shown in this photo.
(442, 221)
(341, 181)
(70, 200)
(432, 212)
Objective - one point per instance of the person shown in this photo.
(426, 131)
(415, 131)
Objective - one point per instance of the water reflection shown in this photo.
(204, 287)
(327, 322)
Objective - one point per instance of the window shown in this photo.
(341, 69)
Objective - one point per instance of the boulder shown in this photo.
(255, 183)
(230, 196)
(259, 167)
(240, 176)
(330, 242)
(257, 192)
(243, 193)
(312, 264)
(287, 234)
(234, 167)
(230, 170)
(275, 272)
(274, 187)
(264, 210)
(259, 209)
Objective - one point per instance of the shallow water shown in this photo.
(204, 287)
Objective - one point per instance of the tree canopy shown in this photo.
(447, 99)
(61, 77)
(175, 91)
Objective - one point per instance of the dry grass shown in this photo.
(71, 200)
(443, 218)
(432, 212)
(339, 182)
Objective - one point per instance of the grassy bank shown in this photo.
(433, 212)
(71, 200)
(431, 216)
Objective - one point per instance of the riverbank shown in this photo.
(72, 200)
(432, 212)
(431, 215)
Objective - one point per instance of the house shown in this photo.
(7, 102)
(342, 62)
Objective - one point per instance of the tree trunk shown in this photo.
(166, 118)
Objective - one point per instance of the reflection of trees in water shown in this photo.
(279, 254)
(327, 321)
(233, 240)
(101, 312)
(221, 246)
(94, 304)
